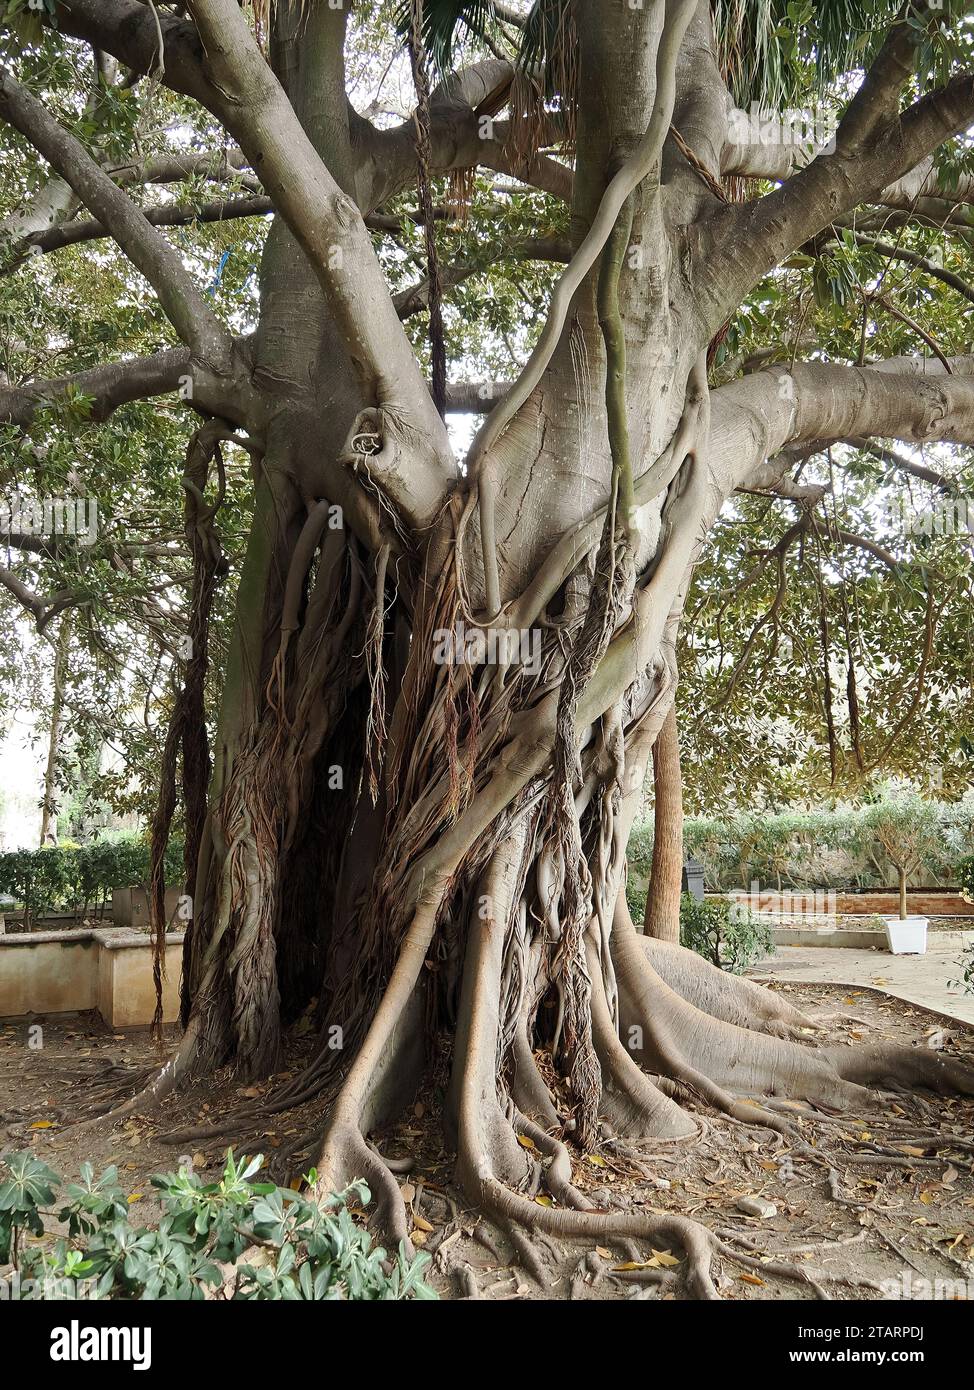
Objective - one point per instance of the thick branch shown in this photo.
(913, 399)
(332, 233)
(148, 251)
(116, 383)
(170, 215)
(765, 232)
(41, 609)
(129, 30)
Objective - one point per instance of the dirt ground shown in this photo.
(899, 1220)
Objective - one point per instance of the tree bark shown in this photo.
(666, 877)
(49, 803)
(479, 806)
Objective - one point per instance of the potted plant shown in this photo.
(906, 827)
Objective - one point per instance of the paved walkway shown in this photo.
(917, 979)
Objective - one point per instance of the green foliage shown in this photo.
(965, 877)
(908, 829)
(966, 967)
(297, 1248)
(840, 848)
(80, 877)
(723, 932)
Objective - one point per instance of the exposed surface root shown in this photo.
(680, 1040)
(722, 996)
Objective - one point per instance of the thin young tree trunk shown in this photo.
(666, 876)
(49, 804)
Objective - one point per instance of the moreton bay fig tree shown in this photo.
(449, 665)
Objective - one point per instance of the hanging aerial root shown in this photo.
(186, 737)
(637, 1108)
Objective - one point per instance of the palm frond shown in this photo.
(443, 22)
(774, 52)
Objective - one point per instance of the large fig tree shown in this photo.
(449, 667)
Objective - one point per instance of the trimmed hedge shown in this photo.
(79, 878)
(842, 849)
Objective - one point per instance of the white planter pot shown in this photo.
(907, 936)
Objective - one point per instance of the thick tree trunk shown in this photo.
(432, 839)
(49, 802)
(662, 919)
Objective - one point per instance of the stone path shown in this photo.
(917, 979)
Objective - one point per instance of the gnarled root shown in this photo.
(689, 1044)
(474, 1088)
(726, 997)
(507, 1157)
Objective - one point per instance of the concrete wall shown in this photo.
(102, 968)
(808, 902)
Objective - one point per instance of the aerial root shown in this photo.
(722, 1061)
(149, 1097)
(348, 1156)
(637, 1108)
(804, 1274)
(558, 1173)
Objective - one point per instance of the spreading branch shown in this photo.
(913, 399)
(146, 248)
(764, 233)
(112, 384)
(170, 215)
(330, 228)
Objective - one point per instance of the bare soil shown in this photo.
(902, 1208)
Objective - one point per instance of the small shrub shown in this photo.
(233, 1239)
(723, 933)
(965, 878)
(966, 966)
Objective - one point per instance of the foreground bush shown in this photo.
(722, 931)
(232, 1239)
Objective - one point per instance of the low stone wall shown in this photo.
(931, 904)
(810, 902)
(103, 968)
(830, 936)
